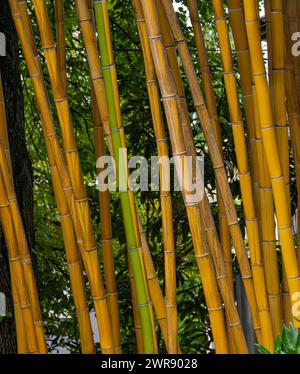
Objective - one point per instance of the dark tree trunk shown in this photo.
(10, 73)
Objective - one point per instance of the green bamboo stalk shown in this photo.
(116, 127)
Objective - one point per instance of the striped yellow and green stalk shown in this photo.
(119, 147)
(271, 150)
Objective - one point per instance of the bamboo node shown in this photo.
(90, 249)
(99, 298)
(146, 305)
(215, 309)
(111, 66)
(136, 249)
(202, 256)
(15, 259)
(116, 129)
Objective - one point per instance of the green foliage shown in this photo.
(287, 343)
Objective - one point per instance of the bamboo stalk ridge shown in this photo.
(218, 164)
(89, 247)
(213, 113)
(271, 151)
(208, 221)
(57, 168)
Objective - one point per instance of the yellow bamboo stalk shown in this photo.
(16, 266)
(213, 113)
(106, 233)
(20, 328)
(278, 77)
(5, 164)
(271, 151)
(61, 40)
(285, 296)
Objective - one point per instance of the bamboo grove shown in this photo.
(263, 99)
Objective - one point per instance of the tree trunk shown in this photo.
(10, 73)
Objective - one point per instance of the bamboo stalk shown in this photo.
(16, 266)
(61, 40)
(278, 76)
(217, 162)
(58, 170)
(213, 113)
(106, 233)
(271, 151)
(20, 328)
(118, 141)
